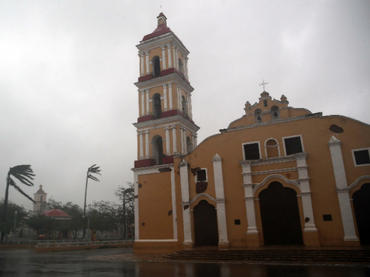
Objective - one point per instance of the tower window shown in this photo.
(157, 106)
(265, 103)
(251, 151)
(157, 149)
(275, 112)
(257, 114)
(156, 66)
(293, 145)
(181, 66)
(184, 105)
(189, 144)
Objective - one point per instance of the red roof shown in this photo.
(161, 29)
(56, 213)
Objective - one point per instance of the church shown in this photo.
(278, 175)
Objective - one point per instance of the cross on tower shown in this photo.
(263, 84)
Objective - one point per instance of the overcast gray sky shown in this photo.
(67, 68)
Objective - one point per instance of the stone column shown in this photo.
(164, 97)
(147, 101)
(190, 111)
(146, 144)
(186, 68)
(168, 141)
(170, 96)
(220, 201)
(142, 101)
(147, 62)
(141, 148)
(163, 57)
(178, 94)
(252, 231)
(174, 142)
(195, 142)
(184, 181)
(342, 189)
(141, 64)
(169, 56)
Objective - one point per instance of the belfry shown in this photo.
(165, 126)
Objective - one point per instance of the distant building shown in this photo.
(278, 175)
(40, 204)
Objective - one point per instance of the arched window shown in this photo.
(189, 145)
(157, 149)
(181, 66)
(275, 112)
(157, 106)
(272, 148)
(156, 63)
(184, 105)
(257, 114)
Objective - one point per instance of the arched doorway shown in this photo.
(280, 215)
(361, 204)
(205, 224)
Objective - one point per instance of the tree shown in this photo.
(25, 175)
(126, 195)
(94, 169)
(16, 216)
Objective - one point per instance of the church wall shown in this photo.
(155, 206)
(315, 136)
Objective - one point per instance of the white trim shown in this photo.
(169, 56)
(147, 101)
(146, 144)
(155, 240)
(358, 180)
(164, 97)
(278, 147)
(184, 181)
(275, 176)
(354, 158)
(147, 62)
(174, 140)
(342, 189)
(287, 137)
(136, 205)
(141, 146)
(199, 195)
(252, 142)
(220, 195)
(164, 58)
(168, 152)
(173, 198)
(170, 95)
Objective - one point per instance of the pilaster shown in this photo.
(184, 181)
(223, 240)
(342, 189)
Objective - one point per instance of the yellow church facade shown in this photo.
(276, 176)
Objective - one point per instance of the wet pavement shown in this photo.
(26, 262)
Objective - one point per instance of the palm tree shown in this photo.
(94, 169)
(25, 175)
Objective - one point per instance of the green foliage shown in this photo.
(103, 216)
(16, 216)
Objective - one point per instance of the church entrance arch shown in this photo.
(205, 224)
(361, 204)
(280, 215)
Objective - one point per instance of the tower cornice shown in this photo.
(158, 81)
(167, 38)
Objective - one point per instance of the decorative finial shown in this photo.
(263, 84)
(162, 19)
(283, 99)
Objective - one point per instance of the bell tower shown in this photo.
(165, 126)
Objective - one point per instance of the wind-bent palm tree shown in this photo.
(94, 169)
(25, 175)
